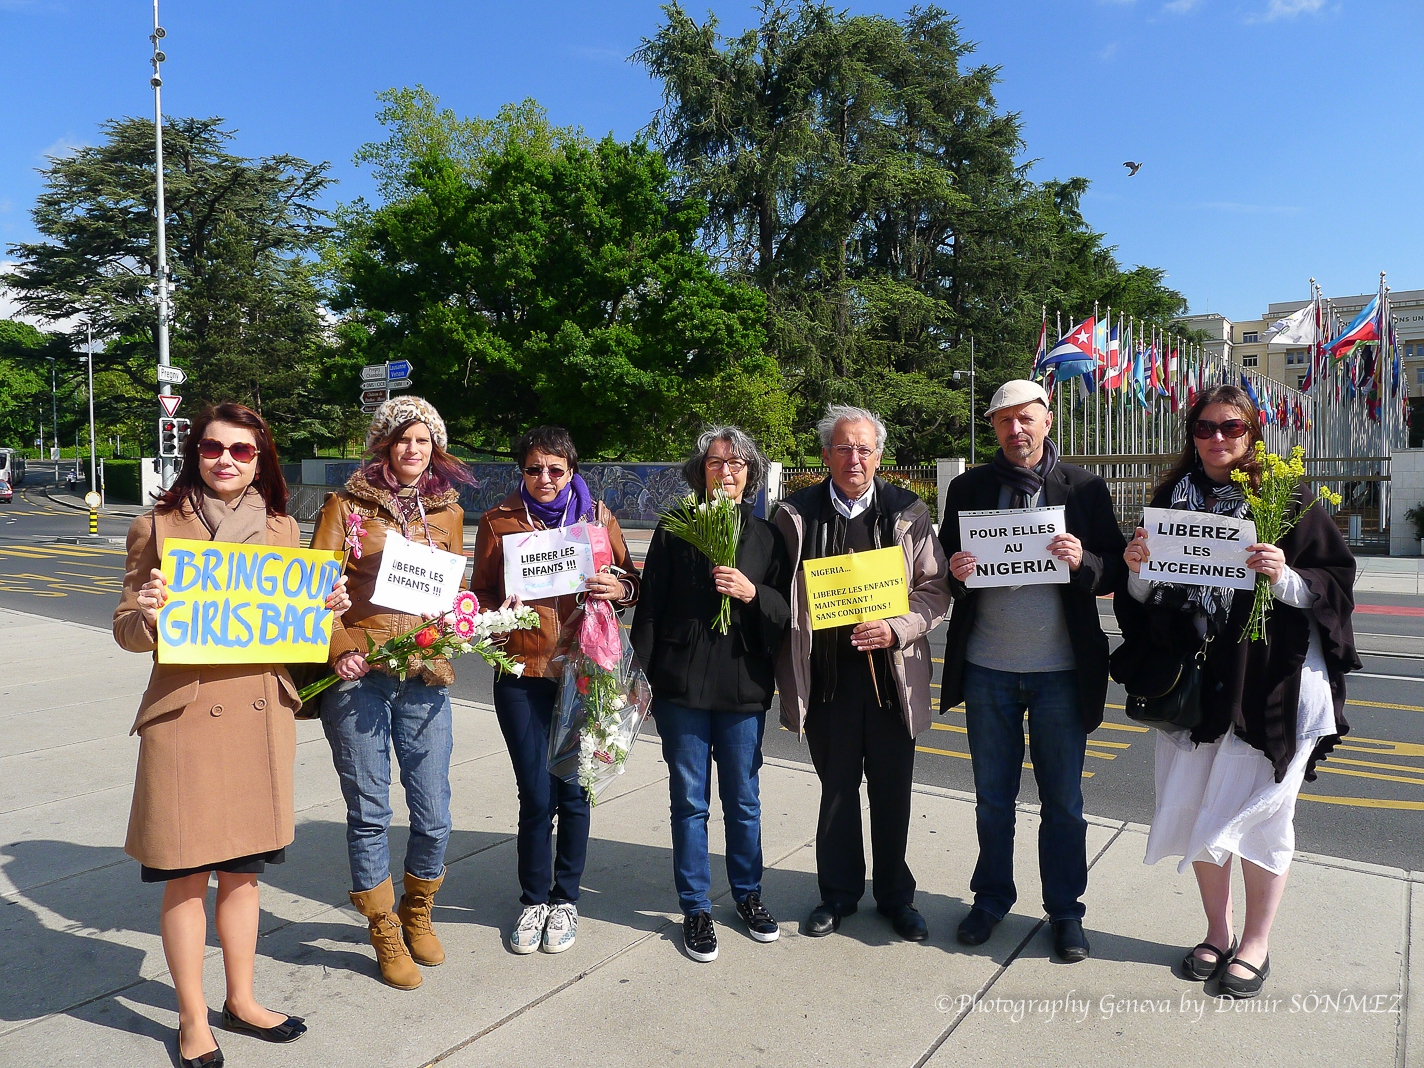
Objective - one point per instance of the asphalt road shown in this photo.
(1365, 804)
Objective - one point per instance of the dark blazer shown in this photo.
(688, 662)
(1089, 515)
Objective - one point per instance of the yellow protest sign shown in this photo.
(245, 604)
(853, 588)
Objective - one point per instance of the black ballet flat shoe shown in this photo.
(289, 1030)
(1202, 971)
(212, 1059)
(1233, 986)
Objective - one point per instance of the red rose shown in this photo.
(427, 637)
(582, 683)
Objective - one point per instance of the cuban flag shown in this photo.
(1073, 355)
(1364, 328)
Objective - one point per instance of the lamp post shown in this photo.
(54, 401)
(166, 472)
(93, 443)
(973, 456)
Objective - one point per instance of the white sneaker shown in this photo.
(529, 930)
(562, 928)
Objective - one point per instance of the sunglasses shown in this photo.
(1205, 429)
(240, 451)
(535, 470)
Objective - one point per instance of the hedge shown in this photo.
(123, 481)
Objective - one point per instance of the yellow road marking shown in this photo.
(966, 756)
(1375, 764)
(1370, 775)
(1385, 704)
(1365, 802)
(1404, 749)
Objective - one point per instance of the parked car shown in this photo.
(6, 493)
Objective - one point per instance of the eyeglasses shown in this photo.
(240, 451)
(1205, 429)
(535, 470)
(845, 452)
(735, 465)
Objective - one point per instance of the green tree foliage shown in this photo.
(545, 278)
(861, 174)
(24, 394)
(240, 235)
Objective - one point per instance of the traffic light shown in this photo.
(172, 433)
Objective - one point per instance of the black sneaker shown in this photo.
(760, 923)
(699, 936)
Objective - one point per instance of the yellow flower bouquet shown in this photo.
(1270, 510)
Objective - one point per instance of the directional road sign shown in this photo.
(398, 383)
(373, 371)
(398, 369)
(369, 409)
(373, 396)
(170, 403)
(172, 376)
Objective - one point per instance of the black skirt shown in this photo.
(253, 865)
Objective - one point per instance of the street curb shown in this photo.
(78, 506)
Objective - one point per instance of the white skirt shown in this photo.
(1222, 798)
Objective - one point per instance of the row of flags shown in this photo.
(1355, 362)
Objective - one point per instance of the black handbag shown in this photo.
(1178, 706)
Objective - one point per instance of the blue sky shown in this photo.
(1280, 138)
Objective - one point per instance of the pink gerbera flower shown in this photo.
(465, 626)
(466, 603)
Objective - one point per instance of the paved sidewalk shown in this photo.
(86, 982)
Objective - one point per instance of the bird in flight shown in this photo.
(1132, 168)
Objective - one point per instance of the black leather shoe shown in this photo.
(289, 1030)
(975, 928)
(1233, 986)
(908, 922)
(212, 1059)
(1069, 942)
(825, 918)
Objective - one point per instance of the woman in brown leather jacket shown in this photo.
(213, 788)
(551, 495)
(408, 486)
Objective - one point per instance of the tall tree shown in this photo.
(863, 176)
(557, 281)
(241, 235)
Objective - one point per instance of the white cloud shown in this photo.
(10, 308)
(1180, 7)
(61, 147)
(1108, 52)
(1285, 9)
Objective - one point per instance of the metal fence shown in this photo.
(920, 478)
(1363, 482)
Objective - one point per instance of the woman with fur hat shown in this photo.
(409, 485)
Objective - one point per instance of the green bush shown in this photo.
(123, 481)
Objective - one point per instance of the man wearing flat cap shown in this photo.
(1037, 649)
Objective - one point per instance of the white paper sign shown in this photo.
(1010, 546)
(417, 579)
(547, 563)
(1197, 548)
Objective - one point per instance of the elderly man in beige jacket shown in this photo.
(860, 694)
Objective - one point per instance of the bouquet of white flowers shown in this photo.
(713, 528)
(603, 700)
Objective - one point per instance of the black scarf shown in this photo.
(1025, 482)
(1196, 493)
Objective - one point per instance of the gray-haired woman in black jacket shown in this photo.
(711, 691)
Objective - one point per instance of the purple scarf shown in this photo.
(573, 504)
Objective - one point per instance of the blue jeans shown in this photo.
(995, 702)
(362, 721)
(525, 709)
(692, 739)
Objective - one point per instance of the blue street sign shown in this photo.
(398, 369)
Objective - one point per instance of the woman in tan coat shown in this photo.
(213, 789)
(408, 487)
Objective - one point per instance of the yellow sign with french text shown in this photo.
(245, 604)
(849, 589)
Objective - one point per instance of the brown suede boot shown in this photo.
(414, 913)
(397, 968)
